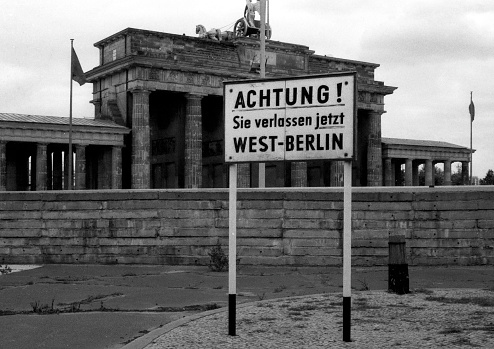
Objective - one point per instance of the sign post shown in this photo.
(232, 250)
(294, 119)
(347, 251)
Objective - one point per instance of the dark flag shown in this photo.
(77, 72)
(471, 108)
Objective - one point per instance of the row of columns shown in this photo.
(411, 171)
(48, 172)
(141, 168)
(141, 142)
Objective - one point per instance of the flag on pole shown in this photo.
(471, 107)
(77, 72)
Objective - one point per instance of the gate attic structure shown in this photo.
(168, 89)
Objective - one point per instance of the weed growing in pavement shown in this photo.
(280, 289)
(218, 260)
(364, 285)
(39, 308)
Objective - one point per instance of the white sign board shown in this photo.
(294, 119)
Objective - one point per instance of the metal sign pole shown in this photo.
(347, 251)
(232, 250)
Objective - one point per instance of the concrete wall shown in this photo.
(447, 225)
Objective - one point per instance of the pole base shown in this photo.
(398, 281)
(347, 318)
(232, 314)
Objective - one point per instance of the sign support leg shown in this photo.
(232, 251)
(347, 251)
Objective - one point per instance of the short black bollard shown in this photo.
(398, 281)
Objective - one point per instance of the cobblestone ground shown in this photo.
(459, 318)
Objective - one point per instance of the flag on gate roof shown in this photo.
(77, 72)
(471, 107)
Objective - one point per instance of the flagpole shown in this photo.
(471, 142)
(69, 187)
(262, 34)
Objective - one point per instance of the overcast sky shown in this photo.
(434, 51)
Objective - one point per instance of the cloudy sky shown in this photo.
(434, 51)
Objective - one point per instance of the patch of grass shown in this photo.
(480, 301)
(451, 330)
(129, 274)
(260, 330)
(362, 304)
(267, 318)
(265, 305)
(246, 321)
(280, 288)
(423, 291)
(464, 342)
(304, 307)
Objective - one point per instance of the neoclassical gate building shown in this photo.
(158, 123)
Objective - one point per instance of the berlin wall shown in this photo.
(289, 226)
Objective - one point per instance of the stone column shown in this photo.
(447, 172)
(409, 172)
(337, 172)
(415, 174)
(66, 174)
(80, 167)
(429, 173)
(41, 167)
(3, 166)
(141, 143)
(464, 173)
(299, 174)
(374, 151)
(116, 165)
(388, 173)
(57, 170)
(193, 142)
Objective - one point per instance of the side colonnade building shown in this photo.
(159, 123)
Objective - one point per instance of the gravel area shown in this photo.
(452, 318)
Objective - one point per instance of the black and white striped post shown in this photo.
(232, 251)
(347, 252)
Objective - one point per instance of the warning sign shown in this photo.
(295, 119)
